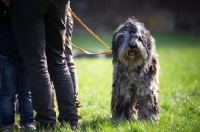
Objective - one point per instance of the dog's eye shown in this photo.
(132, 32)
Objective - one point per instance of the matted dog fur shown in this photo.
(135, 73)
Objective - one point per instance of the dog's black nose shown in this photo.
(132, 45)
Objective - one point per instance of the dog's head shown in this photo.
(132, 43)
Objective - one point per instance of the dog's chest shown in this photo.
(137, 80)
(134, 80)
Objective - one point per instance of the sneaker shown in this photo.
(7, 128)
(28, 127)
(45, 127)
(74, 126)
(10, 128)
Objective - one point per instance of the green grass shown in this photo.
(179, 97)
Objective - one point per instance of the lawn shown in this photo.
(179, 96)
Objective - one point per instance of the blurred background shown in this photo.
(157, 15)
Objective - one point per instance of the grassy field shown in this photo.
(179, 97)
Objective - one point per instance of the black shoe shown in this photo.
(45, 127)
(74, 126)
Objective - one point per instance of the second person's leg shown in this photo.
(59, 72)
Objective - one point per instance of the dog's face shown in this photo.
(132, 43)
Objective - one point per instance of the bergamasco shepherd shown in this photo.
(135, 73)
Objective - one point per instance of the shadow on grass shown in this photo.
(107, 123)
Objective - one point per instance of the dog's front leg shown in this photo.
(123, 107)
(148, 107)
(126, 111)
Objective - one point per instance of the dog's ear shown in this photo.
(147, 39)
(115, 48)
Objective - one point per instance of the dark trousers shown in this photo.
(68, 53)
(39, 28)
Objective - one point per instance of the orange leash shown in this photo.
(84, 51)
(80, 49)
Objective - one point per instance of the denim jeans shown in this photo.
(14, 83)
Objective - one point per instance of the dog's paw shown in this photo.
(153, 117)
(134, 117)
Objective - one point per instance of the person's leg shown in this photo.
(24, 97)
(72, 70)
(68, 52)
(8, 90)
(29, 29)
(70, 60)
(59, 72)
(0, 78)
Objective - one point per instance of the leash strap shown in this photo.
(80, 49)
(84, 51)
(87, 28)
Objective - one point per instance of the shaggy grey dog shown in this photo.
(135, 73)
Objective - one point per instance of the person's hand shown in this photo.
(6, 2)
